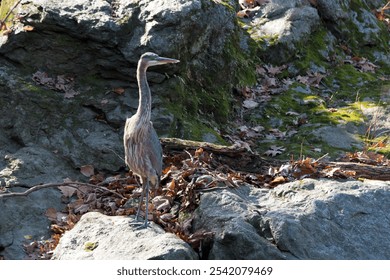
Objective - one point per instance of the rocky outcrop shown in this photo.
(100, 237)
(282, 28)
(67, 83)
(23, 221)
(308, 219)
(82, 57)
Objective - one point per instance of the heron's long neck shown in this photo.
(145, 99)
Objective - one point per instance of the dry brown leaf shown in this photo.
(119, 90)
(162, 203)
(87, 170)
(247, 4)
(274, 70)
(198, 152)
(6, 32)
(278, 180)
(28, 28)
(3, 26)
(67, 191)
(260, 70)
(82, 209)
(270, 82)
(51, 214)
(57, 229)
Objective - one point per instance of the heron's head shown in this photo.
(151, 59)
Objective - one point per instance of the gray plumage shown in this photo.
(143, 152)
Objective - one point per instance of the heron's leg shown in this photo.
(140, 201)
(146, 203)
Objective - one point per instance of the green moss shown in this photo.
(309, 52)
(185, 106)
(207, 99)
(357, 41)
(226, 4)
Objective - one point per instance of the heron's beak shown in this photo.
(165, 60)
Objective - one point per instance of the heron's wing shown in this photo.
(156, 155)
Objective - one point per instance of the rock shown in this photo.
(281, 25)
(338, 137)
(378, 118)
(100, 237)
(95, 48)
(92, 49)
(23, 221)
(24, 166)
(47, 134)
(327, 220)
(309, 219)
(229, 213)
(342, 16)
(281, 28)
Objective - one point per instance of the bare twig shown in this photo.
(320, 158)
(10, 11)
(75, 185)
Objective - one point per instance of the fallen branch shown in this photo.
(10, 12)
(75, 185)
(237, 157)
(367, 171)
(172, 144)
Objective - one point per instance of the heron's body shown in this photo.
(143, 152)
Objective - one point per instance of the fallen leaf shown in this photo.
(199, 152)
(70, 93)
(6, 32)
(278, 180)
(51, 214)
(67, 191)
(87, 170)
(162, 203)
(246, 4)
(82, 209)
(303, 79)
(274, 70)
(57, 229)
(119, 90)
(28, 28)
(274, 151)
(270, 82)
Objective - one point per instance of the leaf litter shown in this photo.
(60, 83)
(187, 174)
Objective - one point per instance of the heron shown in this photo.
(143, 152)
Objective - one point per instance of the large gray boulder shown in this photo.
(287, 29)
(68, 84)
(23, 221)
(307, 219)
(100, 237)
